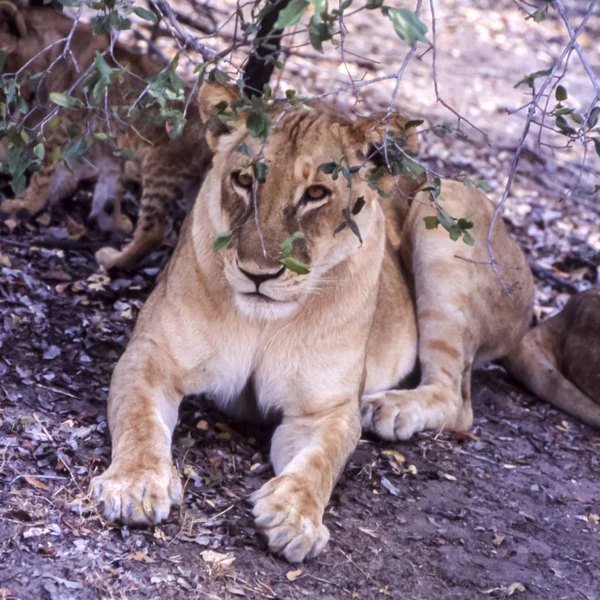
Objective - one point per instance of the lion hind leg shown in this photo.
(442, 401)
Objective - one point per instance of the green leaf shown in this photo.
(75, 150)
(355, 230)
(2, 60)
(597, 145)
(259, 125)
(340, 227)
(289, 94)
(100, 136)
(320, 5)
(529, 79)
(577, 118)
(358, 205)
(260, 170)
(480, 184)
(593, 118)
(431, 222)
(73, 130)
(565, 128)
(407, 25)
(223, 240)
(468, 239)
(464, 224)
(319, 32)
(295, 265)
(218, 75)
(454, 233)
(65, 100)
(287, 246)
(327, 168)
(560, 93)
(40, 151)
(372, 4)
(446, 221)
(539, 15)
(347, 175)
(104, 69)
(125, 153)
(244, 149)
(144, 13)
(291, 14)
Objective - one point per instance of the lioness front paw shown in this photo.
(392, 416)
(141, 497)
(290, 518)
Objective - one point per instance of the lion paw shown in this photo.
(142, 497)
(290, 518)
(108, 258)
(393, 417)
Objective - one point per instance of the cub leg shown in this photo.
(163, 179)
(51, 183)
(141, 483)
(308, 455)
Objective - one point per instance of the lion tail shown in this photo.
(530, 367)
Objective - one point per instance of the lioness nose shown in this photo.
(258, 278)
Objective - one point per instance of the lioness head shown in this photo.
(299, 216)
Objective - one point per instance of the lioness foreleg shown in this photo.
(308, 455)
(141, 484)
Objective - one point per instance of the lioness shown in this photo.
(170, 167)
(559, 360)
(318, 348)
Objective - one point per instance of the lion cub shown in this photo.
(319, 347)
(170, 167)
(559, 361)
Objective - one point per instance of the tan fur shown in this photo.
(315, 346)
(169, 167)
(559, 361)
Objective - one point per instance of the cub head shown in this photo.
(12, 28)
(294, 230)
(24, 34)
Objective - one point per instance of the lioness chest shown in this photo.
(266, 362)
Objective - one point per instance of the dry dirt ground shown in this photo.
(511, 509)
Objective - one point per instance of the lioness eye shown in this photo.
(316, 192)
(242, 179)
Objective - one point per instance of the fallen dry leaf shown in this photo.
(399, 458)
(293, 575)
(515, 587)
(36, 483)
(216, 560)
(139, 557)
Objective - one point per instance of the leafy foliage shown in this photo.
(287, 260)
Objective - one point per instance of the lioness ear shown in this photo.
(13, 21)
(214, 99)
(371, 131)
